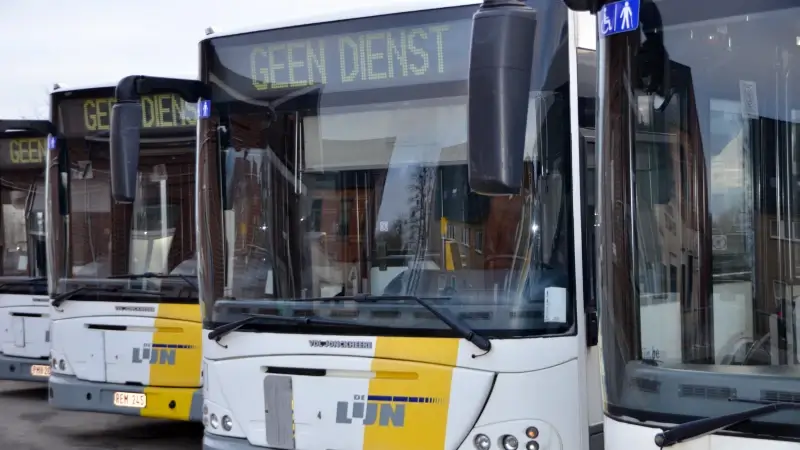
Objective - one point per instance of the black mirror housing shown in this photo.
(126, 124)
(501, 59)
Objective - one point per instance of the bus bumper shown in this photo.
(70, 393)
(13, 368)
(214, 442)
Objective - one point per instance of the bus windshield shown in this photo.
(701, 219)
(22, 195)
(153, 235)
(346, 175)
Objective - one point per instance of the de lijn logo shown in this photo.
(378, 410)
(157, 354)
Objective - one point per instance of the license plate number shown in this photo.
(130, 400)
(40, 371)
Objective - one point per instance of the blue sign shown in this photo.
(204, 109)
(51, 142)
(618, 17)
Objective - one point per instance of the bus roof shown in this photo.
(378, 9)
(84, 87)
(108, 85)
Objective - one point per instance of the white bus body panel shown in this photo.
(25, 336)
(101, 355)
(100, 348)
(519, 383)
(585, 37)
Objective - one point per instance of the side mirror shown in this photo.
(501, 59)
(126, 124)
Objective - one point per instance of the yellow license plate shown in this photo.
(130, 400)
(40, 371)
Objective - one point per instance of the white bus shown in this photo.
(126, 326)
(357, 291)
(24, 313)
(698, 237)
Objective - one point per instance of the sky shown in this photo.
(82, 42)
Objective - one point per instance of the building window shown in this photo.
(779, 229)
(479, 241)
(774, 231)
(451, 231)
(465, 236)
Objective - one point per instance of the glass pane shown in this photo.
(91, 225)
(384, 209)
(703, 213)
(154, 220)
(15, 198)
(346, 174)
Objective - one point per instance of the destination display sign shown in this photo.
(23, 153)
(342, 57)
(85, 116)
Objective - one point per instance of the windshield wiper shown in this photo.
(219, 332)
(455, 324)
(23, 282)
(451, 320)
(701, 427)
(59, 299)
(140, 276)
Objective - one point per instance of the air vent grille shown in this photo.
(780, 396)
(647, 385)
(707, 392)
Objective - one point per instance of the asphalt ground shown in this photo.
(27, 422)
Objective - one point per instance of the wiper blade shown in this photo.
(23, 282)
(451, 320)
(219, 332)
(61, 298)
(140, 276)
(701, 427)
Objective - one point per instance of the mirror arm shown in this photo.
(132, 87)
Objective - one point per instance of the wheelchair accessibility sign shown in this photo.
(618, 17)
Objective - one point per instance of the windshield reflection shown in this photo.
(701, 230)
(23, 226)
(154, 235)
(385, 209)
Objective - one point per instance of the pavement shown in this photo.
(27, 422)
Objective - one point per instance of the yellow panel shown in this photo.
(422, 395)
(184, 340)
(160, 399)
(449, 265)
(431, 350)
(178, 329)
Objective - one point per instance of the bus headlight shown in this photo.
(219, 420)
(509, 442)
(227, 423)
(482, 442)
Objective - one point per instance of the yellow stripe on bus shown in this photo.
(172, 386)
(427, 366)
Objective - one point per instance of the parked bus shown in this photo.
(697, 240)
(357, 291)
(126, 324)
(24, 313)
